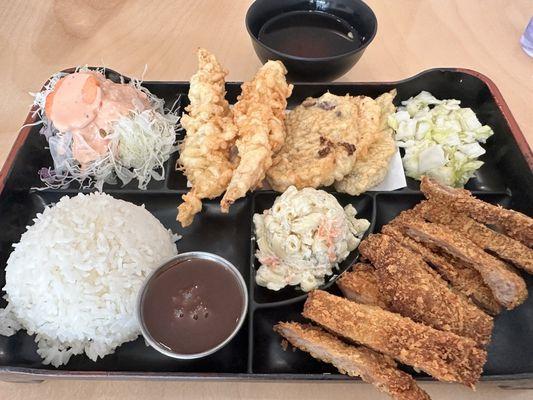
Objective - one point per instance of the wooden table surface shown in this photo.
(38, 38)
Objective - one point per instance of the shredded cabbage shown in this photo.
(139, 145)
(440, 138)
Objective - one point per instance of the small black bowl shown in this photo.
(354, 12)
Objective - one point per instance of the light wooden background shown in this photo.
(38, 38)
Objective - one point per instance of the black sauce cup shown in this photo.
(354, 12)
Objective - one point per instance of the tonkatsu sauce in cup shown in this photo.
(192, 305)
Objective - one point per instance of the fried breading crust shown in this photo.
(258, 114)
(325, 137)
(507, 286)
(411, 288)
(364, 287)
(444, 355)
(515, 224)
(371, 168)
(461, 277)
(361, 285)
(372, 367)
(205, 153)
(505, 247)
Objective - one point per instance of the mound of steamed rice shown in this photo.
(73, 278)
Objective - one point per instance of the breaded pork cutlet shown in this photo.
(503, 246)
(372, 367)
(515, 224)
(444, 355)
(461, 277)
(361, 285)
(507, 286)
(363, 288)
(356, 286)
(411, 288)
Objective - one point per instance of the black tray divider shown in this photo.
(171, 163)
(374, 213)
(170, 168)
(252, 305)
(112, 190)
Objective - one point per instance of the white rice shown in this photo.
(74, 276)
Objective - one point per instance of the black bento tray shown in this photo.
(255, 353)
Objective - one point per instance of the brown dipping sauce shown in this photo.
(312, 34)
(192, 306)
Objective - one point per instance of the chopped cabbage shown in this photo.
(431, 158)
(440, 138)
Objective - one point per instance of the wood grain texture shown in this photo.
(38, 38)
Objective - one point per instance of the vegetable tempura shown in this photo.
(205, 154)
(259, 116)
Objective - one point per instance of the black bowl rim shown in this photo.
(311, 59)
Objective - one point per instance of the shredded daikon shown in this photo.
(139, 145)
